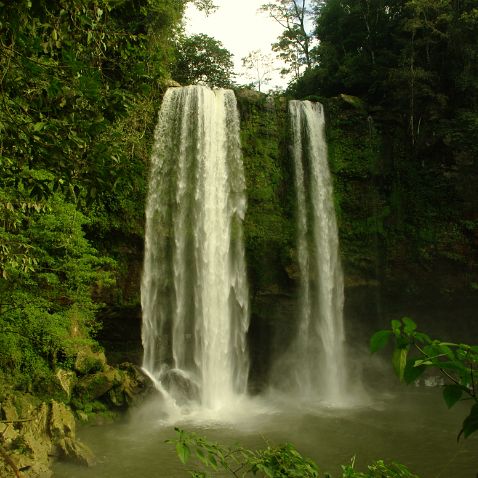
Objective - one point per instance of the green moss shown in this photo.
(354, 156)
(268, 226)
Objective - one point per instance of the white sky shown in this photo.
(240, 28)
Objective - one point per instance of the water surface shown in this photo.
(412, 426)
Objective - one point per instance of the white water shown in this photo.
(317, 357)
(194, 291)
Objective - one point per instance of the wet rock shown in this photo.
(181, 387)
(135, 386)
(36, 433)
(96, 385)
(61, 421)
(76, 452)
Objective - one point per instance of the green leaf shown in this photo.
(396, 325)
(183, 452)
(446, 350)
(420, 362)
(212, 461)
(470, 424)
(399, 361)
(409, 325)
(451, 394)
(38, 126)
(379, 340)
(412, 371)
(201, 456)
(422, 338)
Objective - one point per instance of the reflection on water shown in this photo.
(412, 427)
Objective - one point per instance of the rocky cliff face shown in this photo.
(33, 434)
(407, 229)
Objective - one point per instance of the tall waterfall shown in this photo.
(194, 291)
(318, 352)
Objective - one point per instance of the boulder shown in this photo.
(57, 386)
(61, 421)
(75, 451)
(135, 386)
(180, 386)
(96, 385)
(38, 433)
(87, 361)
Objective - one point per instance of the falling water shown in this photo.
(194, 292)
(319, 357)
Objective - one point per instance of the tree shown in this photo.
(206, 6)
(201, 59)
(259, 65)
(71, 72)
(294, 44)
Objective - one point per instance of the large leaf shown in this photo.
(396, 326)
(409, 325)
(470, 424)
(379, 340)
(399, 361)
(183, 452)
(451, 394)
(412, 371)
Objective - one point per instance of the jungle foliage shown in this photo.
(283, 461)
(415, 352)
(412, 69)
(79, 90)
(201, 59)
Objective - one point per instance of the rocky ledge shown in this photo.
(31, 436)
(33, 432)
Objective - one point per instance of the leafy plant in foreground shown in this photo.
(282, 461)
(414, 352)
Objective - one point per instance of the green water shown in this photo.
(412, 426)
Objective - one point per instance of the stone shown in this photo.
(96, 385)
(182, 388)
(171, 84)
(61, 422)
(88, 361)
(67, 380)
(8, 410)
(137, 385)
(46, 430)
(76, 452)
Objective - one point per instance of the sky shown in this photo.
(241, 29)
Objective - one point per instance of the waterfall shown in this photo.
(194, 291)
(317, 357)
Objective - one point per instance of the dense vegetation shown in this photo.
(79, 91)
(413, 69)
(80, 85)
(284, 461)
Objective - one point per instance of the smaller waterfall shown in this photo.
(194, 291)
(317, 357)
